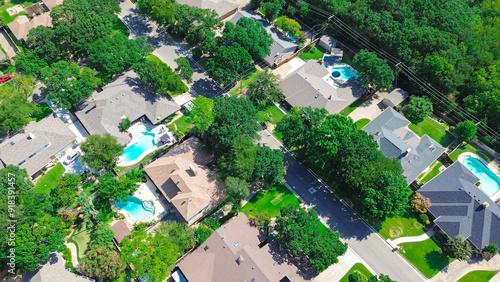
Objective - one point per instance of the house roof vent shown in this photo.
(240, 260)
(193, 169)
(486, 204)
(206, 248)
(31, 136)
(12, 143)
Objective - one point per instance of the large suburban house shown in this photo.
(183, 178)
(461, 208)
(396, 140)
(38, 14)
(237, 251)
(224, 8)
(37, 145)
(124, 97)
(312, 85)
(282, 46)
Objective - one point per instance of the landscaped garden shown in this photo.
(81, 237)
(275, 112)
(478, 275)
(362, 123)
(357, 267)
(426, 255)
(352, 107)
(315, 53)
(435, 130)
(270, 201)
(48, 181)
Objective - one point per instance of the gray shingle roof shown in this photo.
(301, 89)
(123, 97)
(222, 7)
(281, 43)
(394, 138)
(49, 136)
(396, 96)
(457, 205)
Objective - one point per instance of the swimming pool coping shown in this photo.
(461, 159)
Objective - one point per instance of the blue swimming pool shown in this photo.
(490, 183)
(136, 208)
(144, 143)
(345, 72)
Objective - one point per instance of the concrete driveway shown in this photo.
(361, 238)
(168, 50)
(371, 108)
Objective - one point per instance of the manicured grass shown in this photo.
(435, 130)
(81, 238)
(352, 107)
(278, 135)
(471, 149)
(276, 114)
(45, 110)
(426, 255)
(478, 275)
(242, 85)
(154, 58)
(183, 125)
(270, 201)
(396, 227)
(362, 122)
(434, 171)
(315, 53)
(359, 267)
(48, 181)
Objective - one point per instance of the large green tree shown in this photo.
(64, 194)
(265, 89)
(300, 231)
(193, 23)
(229, 63)
(374, 71)
(233, 117)
(459, 248)
(15, 113)
(268, 165)
(418, 109)
(161, 11)
(239, 161)
(466, 130)
(249, 34)
(160, 76)
(101, 152)
(183, 69)
(111, 187)
(272, 8)
(180, 234)
(288, 25)
(103, 262)
(236, 189)
(202, 113)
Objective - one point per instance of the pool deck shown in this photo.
(162, 134)
(495, 197)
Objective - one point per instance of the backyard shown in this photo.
(270, 201)
(435, 131)
(352, 107)
(479, 275)
(357, 267)
(315, 53)
(8, 18)
(48, 181)
(181, 126)
(81, 237)
(426, 255)
(275, 112)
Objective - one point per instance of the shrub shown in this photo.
(211, 223)
(419, 203)
(424, 218)
(196, 53)
(357, 276)
(490, 250)
(202, 233)
(125, 124)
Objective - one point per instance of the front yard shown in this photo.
(48, 181)
(242, 85)
(478, 275)
(357, 267)
(426, 255)
(396, 227)
(275, 112)
(435, 131)
(270, 201)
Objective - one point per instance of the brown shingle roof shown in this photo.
(190, 194)
(22, 25)
(232, 253)
(50, 4)
(50, 134)
(121, 230)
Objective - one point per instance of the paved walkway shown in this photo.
(74, 257)
(394, 243)
(458, 269)
(371, 108)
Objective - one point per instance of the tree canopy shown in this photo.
(418, 109)
(103, 262)
(184, 69)
(101, 152)
(236, 189)
(466, 130)
(249, 34)
(265, 89)
(15, 113)
(239, 161)
(288, 25)
(202, 113)
(160, 76)
(229, 63)
(459, 248)
(268, 165)
(374, 72)
(193, 23)
(64, 194)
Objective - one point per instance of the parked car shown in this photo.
(71, 157)
(6, 77)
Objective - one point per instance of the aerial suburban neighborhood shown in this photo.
(249, 140)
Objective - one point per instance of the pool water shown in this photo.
(490, 183)
(136, 208)
(144, 143)
(345, 72)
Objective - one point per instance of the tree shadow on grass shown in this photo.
(437, 260)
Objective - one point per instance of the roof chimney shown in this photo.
(407, 152)
(95, 102)
(193, 169)
(486, 204)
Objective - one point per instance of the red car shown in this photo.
(6, 77)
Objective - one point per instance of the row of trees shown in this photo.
(349, 158)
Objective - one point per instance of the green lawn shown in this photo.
(435, 130)
(270, 201)
(45, 110)
(48, 181)
(471, 149)
(278, 135)
(81, 237)
(276, 114)
(426, 255)
(315, 53)
(395, 227)
(478, 275)
(434, 171)
(241, 85)
(183, 125)
(153, 58)
(361, 123)
(352, 107)
(359, 267)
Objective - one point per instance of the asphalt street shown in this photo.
(364, 241)
(168, 49)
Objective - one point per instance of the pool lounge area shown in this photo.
(488, 176)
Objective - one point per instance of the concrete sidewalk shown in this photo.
(394, 243)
